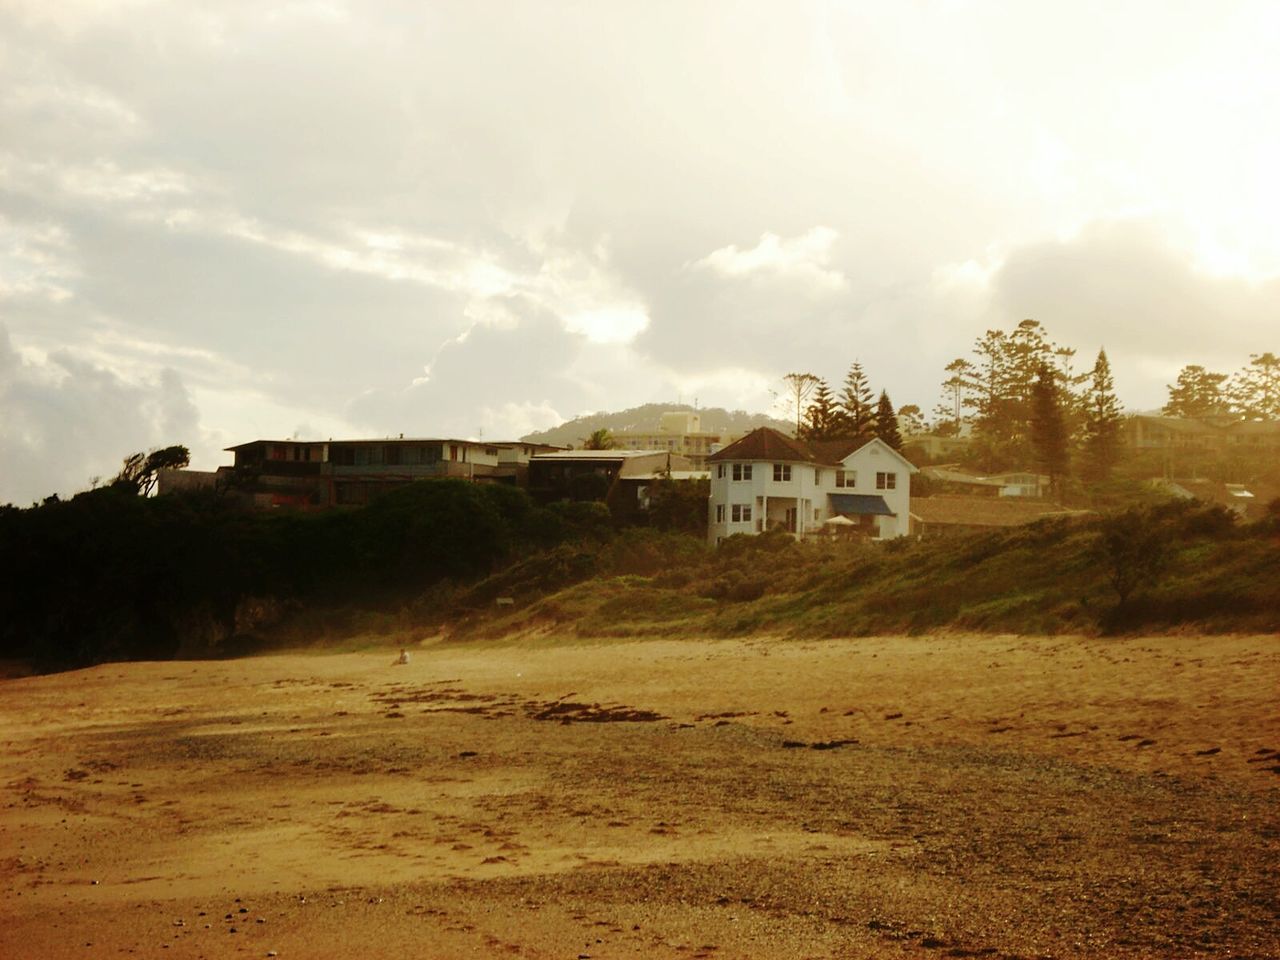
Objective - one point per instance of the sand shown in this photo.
(899, 797)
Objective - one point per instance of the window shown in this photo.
(781, 472)
(817, 514)
(719, 471)
(742, 471)
(719, 513)
(742, 513)
(886, 481)
(817, 476)
(846, 478)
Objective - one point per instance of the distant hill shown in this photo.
(646, 417)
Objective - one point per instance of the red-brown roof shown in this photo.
(765, 443)
(984, 511)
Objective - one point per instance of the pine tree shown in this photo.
(1048, 429)
(821, 420)
(1255, 390)
(857, 416)
(887, 422)
(1197, 393)
(1101, 422)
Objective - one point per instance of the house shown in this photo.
(768, 481)
(1248, 501)
(944, 514)
(680, 433)
(324, 473)
(1016, 484)
(619, 478)
(1208, 433)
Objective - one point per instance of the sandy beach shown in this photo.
(956, 796)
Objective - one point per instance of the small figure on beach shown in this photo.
(404, 656)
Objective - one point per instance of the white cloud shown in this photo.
(805, 258)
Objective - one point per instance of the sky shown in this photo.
(316, 218)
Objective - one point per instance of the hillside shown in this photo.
(646, 417)
(1182, 566)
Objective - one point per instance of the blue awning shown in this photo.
(859, 504)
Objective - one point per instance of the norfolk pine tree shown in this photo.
(1197, 393)
(1101, 422)
(822, 419)
(887, 422)
(858, 419)
(1048, 429)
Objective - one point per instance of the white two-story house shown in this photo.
(768, 481)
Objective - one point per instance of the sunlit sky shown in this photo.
(225, 221)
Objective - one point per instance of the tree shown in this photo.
(1134, 547)
(822, 418)
(1197, 393)
(600, 439)
(141, 471)
(799, 387)
(956, 388)
(887, 422)
(1101, 422)
(911, 420)
(1255, 390)
(1048, 429)
(858, 419)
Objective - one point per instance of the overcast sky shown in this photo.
(226, 221)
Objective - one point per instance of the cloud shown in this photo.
(64, 421)
(804, 259)
(397, 217)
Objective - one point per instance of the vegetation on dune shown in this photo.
(110, 575)
(1173, 566)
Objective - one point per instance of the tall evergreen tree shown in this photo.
(1101, 421)
(1197, 393)
(857, 415)
(955, 391)
(822, 419)
(1048, 429)
(887, 422)
(1255, 390)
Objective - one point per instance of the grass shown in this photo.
(1046, 578)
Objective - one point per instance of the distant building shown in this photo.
(1222, 434)
(768, 481)
(1249, 501)
(1013, 484)
(942, 515)
(618, 478)
(315, 473)
(680, 433)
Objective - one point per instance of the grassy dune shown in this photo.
(1052, 577)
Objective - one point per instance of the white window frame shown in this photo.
(719, 513)
(846, 479)
(782, 473)
(886, 480)
(741, 513)
(719, 471)
(742, 471)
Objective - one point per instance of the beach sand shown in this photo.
(942, 796)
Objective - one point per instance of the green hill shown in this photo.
(647, 416)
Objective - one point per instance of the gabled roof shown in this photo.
(765, 443)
